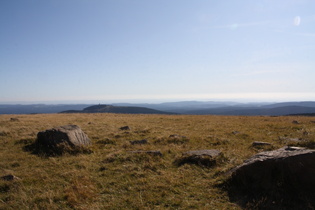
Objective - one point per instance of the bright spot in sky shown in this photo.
(297, 21)
(234, 26)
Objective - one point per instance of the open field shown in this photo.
(111, 177)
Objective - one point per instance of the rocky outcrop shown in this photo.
(70, 136)
(283, 175)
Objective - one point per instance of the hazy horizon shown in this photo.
(156, 51)
(142, 101)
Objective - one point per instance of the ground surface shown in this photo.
(112, 177)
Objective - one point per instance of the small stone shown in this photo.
(290, 148)
(10, 177)
(291, 139)
(260, 143)
(177, 136)
(177, 139)
(124, 128)
(150, 152)
(207, 152)
(206, 158)
(235, 132)
(143, 141)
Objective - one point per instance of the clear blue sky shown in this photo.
(126, 50)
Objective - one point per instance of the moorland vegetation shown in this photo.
(111, 176)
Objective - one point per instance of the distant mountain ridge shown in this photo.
(283, 104)
(250, 111)
(38, 108)
(181, 107)
(234, 108)
(117, 109)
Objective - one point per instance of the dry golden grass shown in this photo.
(114, 178)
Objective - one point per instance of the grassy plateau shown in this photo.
(112, 177)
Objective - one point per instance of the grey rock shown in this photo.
(235, 132)
(150, 152)
(291, 139)
(177, 139)
(125, 128)
(10, 177)
(260, 143)
(279, 179)
(175, 136)
(69, 134)
(143, 141)
(207, 152)
(13, 119)
(206, 158)
(286, 168)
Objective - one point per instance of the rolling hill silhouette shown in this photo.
(117, 109)
(181, 107)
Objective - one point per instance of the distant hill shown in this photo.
(254, 111)
(284, 104)
(181, 107)
(117, 109)
(39, 108)
(303, 114)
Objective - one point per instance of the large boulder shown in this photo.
(70, 136)
(283, 176)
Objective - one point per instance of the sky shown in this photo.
(156, 50)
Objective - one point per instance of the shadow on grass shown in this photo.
(203, 162)
(55, 150)
(277, 198)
